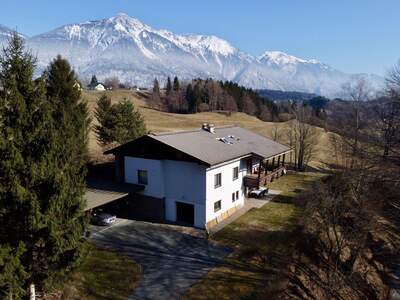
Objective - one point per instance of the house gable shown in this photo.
(149, 148)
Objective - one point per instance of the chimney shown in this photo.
(208, 127)
(211, 128)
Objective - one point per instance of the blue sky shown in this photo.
(352, 35)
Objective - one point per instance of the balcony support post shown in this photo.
(259, 171)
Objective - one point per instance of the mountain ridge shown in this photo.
(135, 52)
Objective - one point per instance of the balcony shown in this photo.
(256, 180)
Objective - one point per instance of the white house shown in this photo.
(99, 87)
(201, 176)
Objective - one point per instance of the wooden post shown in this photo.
(32, 292)
(266, 167)
(273, 164)
(279, 162)
(259, 172)
(283, 160)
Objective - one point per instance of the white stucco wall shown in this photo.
(224, 192)
(189, 183)
(185, 182)
(154, 168)
(174, 181)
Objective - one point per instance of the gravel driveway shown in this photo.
(171, 260)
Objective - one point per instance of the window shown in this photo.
(235, 173)
(233, 197)
(217, 206)
(237, 195)
(217, 180)
(142, 177)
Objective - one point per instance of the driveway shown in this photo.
(172, 260)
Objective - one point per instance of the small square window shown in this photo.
(217, 180)
(233, 197)
(237, 195)
(142, 177)
(217, 206)
(235, 173)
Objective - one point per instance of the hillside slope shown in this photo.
(158, 121)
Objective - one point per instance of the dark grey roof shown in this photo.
(208, 147)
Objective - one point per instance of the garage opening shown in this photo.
(185, 213)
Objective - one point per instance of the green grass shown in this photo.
(262, 240)
(103, 275)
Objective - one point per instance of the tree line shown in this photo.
(201, 95)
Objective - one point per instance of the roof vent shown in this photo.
(233, 137)
(225, 141)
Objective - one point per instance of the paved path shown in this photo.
(172, 260)
(249, 203)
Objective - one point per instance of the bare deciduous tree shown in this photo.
(303, 137)
(276, 132)
(112, 82)
(155, 98)
(357, 92)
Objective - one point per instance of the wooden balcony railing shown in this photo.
(257, 180)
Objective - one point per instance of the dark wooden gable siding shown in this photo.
(147, 147)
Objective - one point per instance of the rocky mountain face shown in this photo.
(136, 53)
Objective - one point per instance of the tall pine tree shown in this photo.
(169, 86)
(41, 216)
(105, 119)
(25, 132)
(71, 125)
(93, 82)
(176, 86)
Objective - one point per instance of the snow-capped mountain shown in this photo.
(280, 71)
(5, 34)
(137, 53)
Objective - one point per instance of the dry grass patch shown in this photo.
(158, 121)
(103, 275)
(262, 240)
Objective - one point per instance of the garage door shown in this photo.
(185, 213)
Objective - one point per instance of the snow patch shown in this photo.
(74, 32)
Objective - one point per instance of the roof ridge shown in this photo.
(189, 131)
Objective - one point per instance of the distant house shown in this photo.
(99, 87)
(96, 85)
(200, 176)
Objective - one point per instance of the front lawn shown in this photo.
(262, 240)
(103, 275)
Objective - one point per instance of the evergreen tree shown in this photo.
(176, 86)
(129, 123)
(169, 86)
(71, 125)
(104, 116)
(27, 171)
(119, 122)
(93, 82)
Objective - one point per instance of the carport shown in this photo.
(99, 193)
